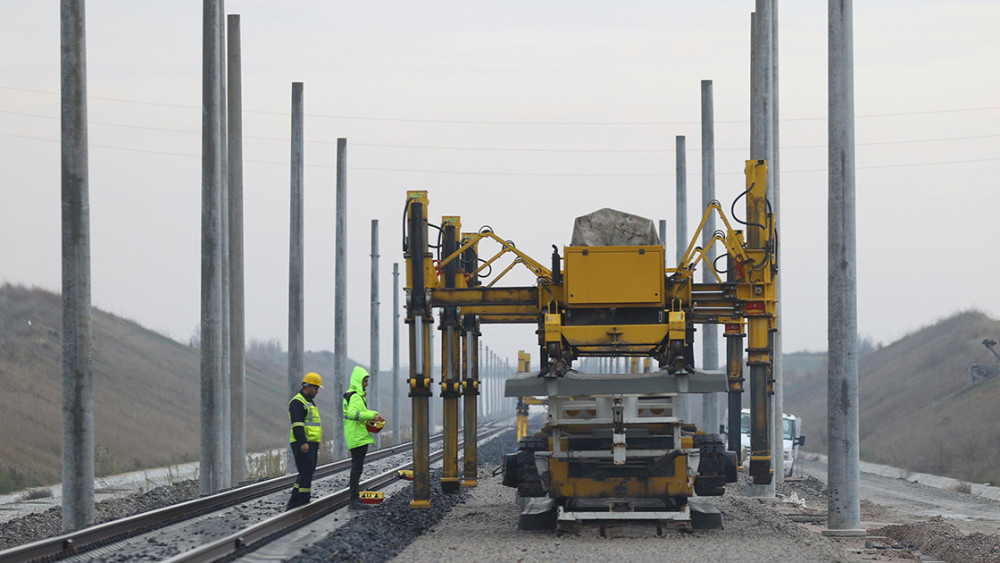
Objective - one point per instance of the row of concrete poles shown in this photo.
(843, 449)
(222, 452)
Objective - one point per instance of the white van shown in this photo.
(792, 439)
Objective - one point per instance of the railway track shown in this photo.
(224, 524)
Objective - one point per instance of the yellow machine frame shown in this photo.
(605, 301)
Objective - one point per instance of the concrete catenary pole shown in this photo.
(764, 81)
(483, 381)
(396, 436)
(683, 399)
(844, 504)
(487, 387)
(501, 372)
(340, 370)
(494, 400)
(501, 375)
(775, 188)
(237, 324)
(226, 471)
(296, 267)
(755, 137)
(373, 395)
(709, 332)
(760, 148)
(77, 374)
(211, 451)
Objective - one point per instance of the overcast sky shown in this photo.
(521, 115)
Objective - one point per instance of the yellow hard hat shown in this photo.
(313, 378)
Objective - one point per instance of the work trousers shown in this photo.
(357, 466)
(306, 464)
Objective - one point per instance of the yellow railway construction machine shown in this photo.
(613, 446)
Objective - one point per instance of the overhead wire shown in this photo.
(507, 149)
(511, 122)
(497, 173)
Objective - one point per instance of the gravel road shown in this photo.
(905, 502)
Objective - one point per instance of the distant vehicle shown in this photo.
(792, 439)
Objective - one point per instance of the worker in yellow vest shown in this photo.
(305, 437)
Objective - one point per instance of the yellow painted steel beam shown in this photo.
(483, 296)
(510, 313)
(615, 335)
(486, 317)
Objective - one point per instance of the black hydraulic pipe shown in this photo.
(557, 277)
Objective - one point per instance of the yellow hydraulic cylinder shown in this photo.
(470, 392)
(734, 374)
(450, 392)
(523, 365)
(522, 418)
(760, 320)
(470, 367)
(450, 361)
(419, 320)
(420, 393)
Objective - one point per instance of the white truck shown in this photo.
(792, 439)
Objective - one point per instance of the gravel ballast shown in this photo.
(481, 524)
(41, 525)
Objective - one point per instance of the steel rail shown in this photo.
(279, 524)
(73, 543)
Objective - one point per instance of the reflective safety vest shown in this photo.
(312, 424)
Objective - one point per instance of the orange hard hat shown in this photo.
(375, 426)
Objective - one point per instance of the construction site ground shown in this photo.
(903, 521)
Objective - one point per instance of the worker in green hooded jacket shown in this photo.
(356, 417)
